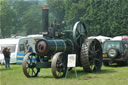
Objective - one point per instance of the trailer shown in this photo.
(17, 46)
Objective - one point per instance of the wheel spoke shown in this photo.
(96, 59)
(95, 66)
(59, 74)
(92, 65)
(27, 62)
(28, 69)
(93, 48)
(93, 43)
(82, 34)
(91, 55)
(91, 51)
(97, 51)
(83, 38)
(80, 28)
(77, 31)
(33, 71)
(80, 41)
(78, 37)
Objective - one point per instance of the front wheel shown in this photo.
(29, 65)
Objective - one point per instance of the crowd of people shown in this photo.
(6, 52)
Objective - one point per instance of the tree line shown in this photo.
(19, 18)
(102, 17)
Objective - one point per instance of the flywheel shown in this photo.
(80, 33)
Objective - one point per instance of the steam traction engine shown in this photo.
(53, 49)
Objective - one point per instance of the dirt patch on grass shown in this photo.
(88, 78)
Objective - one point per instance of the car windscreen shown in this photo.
(112, 44)
(11, 46)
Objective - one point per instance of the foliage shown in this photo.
(57, 9)
(102, 17)
(19, 18)
(6, 18)
(32, 20)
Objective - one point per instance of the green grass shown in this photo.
(108, 76)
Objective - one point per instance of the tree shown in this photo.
(108, 17)
(57, 8)
(32, 20)
(6, 19)
(102, 17)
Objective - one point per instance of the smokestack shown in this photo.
(45, 19)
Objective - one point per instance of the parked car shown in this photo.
(115, 51)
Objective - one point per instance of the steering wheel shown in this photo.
(80, 33)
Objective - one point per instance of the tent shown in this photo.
(100, 38)
(120, 38)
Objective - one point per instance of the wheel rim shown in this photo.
(95, 53)
(112, 52)
(29, 65)
(79, 33)
(59, 65)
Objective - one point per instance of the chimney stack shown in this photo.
(45, 19)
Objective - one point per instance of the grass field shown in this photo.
(108, 76)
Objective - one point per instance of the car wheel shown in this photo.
(112, 52)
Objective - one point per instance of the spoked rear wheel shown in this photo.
(59, 65)
(29, 65)
(91, 55)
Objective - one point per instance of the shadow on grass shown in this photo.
(104, 71)
(80, 73)
(116, 66)
(4, 69)
(71, 74)
(12, 67)
(44, 77)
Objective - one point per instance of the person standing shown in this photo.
(6, 53)
(9, 54)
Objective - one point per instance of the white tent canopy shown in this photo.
(100, 38)
(119, 37)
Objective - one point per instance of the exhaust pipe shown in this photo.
(45, 19)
